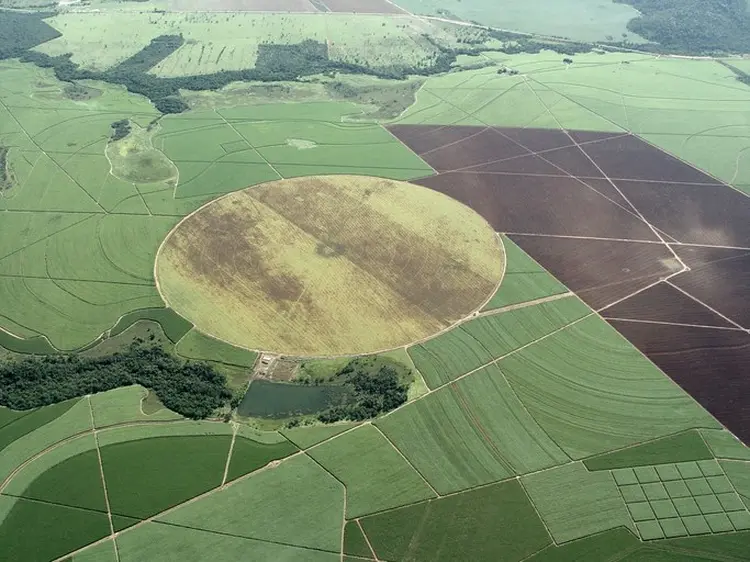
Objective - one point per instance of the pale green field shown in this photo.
(230, 41)
(124, 405)
(297, 503)
(582, 20)
(575, 503)
(74, 421)
(375, 475)
(694, 109)
(592, 391)
(471, 433)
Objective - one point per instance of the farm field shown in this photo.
(556, 249)
(302, 278)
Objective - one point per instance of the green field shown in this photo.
(575, 503)
(470, 433)
(467, 525)
(147, 476)
(480, 341)
(296, 503)
(375, 475)
(532, 431)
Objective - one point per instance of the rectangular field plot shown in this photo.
(575, 503)
(166, 543)
(125, 405)
(592, 391)
(494, 523)
(472, 432)
(479, 341)
(297, 503)
(200, 347)
(376, 476)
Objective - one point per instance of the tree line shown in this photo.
(190, 388)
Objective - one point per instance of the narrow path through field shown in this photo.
(407, 461)
(709, 307)
(367, 540)
(675, 323)
(235, 428)
(101, 472)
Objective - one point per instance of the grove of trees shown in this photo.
(189, 388)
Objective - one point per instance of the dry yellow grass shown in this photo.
(329, 265)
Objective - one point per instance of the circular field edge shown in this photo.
(469, 316)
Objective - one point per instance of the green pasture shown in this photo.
(492, 523)
(230, 41)
(39, 532)
(297, 503)
(592, 391)
(374, 473)
(478, 342)
(472, 432)
(74, 421)
(147, 476)
(178, 544)
(200, 347)
(725, 445)
(575, 503)
(125, 405)
(144, 431)
(582, 20)
(20, 424)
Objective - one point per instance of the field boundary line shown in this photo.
(101, 472)
(48, 236)
(656, 231)
(249, 143)
(568, 174)
(536, 510)
(408, 462)
(674, 324)
(235, 428)
(367, 540)
(684, 292)
(575, 237)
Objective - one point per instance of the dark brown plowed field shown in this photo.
(482, 147)
(573, 161)
(421, 138)
(697, 256)
(664, 303)
(712, 365)
(629, 157)
(693, 214)
(537, 140)
(600, 271)
(722, 285)
(362, 6)
(540, 205)
(583, 205)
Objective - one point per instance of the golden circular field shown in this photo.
(329, 265)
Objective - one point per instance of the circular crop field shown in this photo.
(329, 265)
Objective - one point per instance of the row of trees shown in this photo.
(192, 389)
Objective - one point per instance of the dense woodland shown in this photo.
(5, 180)
(192, 389)
(373, 388)
(693, 26)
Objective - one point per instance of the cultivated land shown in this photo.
(329, 265)
(585, 413)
